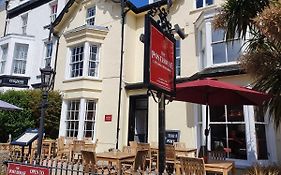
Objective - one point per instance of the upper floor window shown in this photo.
(76, 64)
(224, 51)
(203, 3)
(3, 58)
(48, 53)
(178, 58)
(84, 60)
(20, 57)
(90, 16)
(24, 19)
(53, 8)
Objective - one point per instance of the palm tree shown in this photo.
(263, 52)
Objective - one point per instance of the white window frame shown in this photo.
(48, 53)
(3, 59)
(71, 120)
(90, 58)
(250, 135)
(204, 4)
(19, 59)
(53, 11)
(90, 20)
(92, 121)
(24, 19)
(75, 66)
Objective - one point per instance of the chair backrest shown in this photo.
(129, 149)
(217, 155)
(179, 145)
(143, 146)
(170, 152)
(192, 166)
(60, 143)
(78, 145)
(140, 159)
(89, 160)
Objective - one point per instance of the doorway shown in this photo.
(138, 119)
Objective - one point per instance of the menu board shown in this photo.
(26, 138)
(172, 136)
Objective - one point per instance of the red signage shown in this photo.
(18, 169)
(159, 66)
(161, 60)
(108, 118)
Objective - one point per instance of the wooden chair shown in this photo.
(170, 156)
(90, 146)
(216, 155)
(78, 146)
(179, 145)
(63, 151)
(149, 158)
(129, 149)
(192, 166)
(137, 164)
(89, 161)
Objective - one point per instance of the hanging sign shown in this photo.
(159, 58)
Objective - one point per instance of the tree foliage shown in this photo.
(262, 59)
(16, 122)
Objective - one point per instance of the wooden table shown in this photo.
(116, 157)
(222, 166)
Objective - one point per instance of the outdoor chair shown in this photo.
(192, 166)
(216, 155)
(89, 146)
(136, 165)
(180, 145)
(78, 146)
(63, 150)
(129, 149)
(149, 158)
(170, 157)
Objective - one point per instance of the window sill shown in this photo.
(202, 9)
(81, 79)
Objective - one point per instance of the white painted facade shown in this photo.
(30, 28)
(78, 91)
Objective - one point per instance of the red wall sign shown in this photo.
(108, 118)
(17, 169)
(159, 67)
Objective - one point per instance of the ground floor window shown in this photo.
(233, 129)
(80, 118)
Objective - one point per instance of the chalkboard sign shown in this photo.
(26, 138)
(172, 136)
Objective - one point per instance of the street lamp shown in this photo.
(47, 79)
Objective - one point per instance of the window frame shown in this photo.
(72, 121)
(48, 53)
(79, 63)
(24, 19)
(90, 20)
(20, 61)
(178, 57)
(4, 56)
(93, 121)
(53, 11)
(204, 3)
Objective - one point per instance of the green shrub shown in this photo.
(16, 122)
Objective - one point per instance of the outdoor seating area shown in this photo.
(136, 157)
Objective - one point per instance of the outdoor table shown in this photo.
(221, 166)
(116, 157)
(50, 145)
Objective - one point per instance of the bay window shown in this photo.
(84, 60)
(80, 118)
(3, 57)
(20, 57)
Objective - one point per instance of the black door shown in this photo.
(138, 119)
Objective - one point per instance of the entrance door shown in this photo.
(138, 117)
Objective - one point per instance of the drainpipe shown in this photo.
(123, 15)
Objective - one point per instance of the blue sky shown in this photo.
(139, 3)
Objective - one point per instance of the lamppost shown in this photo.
(47, 79)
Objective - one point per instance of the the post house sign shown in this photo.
(159, 64)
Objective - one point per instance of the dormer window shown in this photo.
(90, 16)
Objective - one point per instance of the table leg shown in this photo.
(225, 172)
